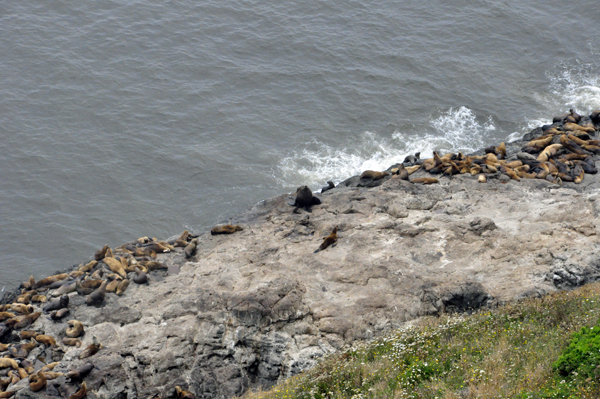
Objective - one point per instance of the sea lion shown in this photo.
(93, 283)
(25, 334)
(81, 290)
(71, 341)
(39, 299)
(329, 240)
(88, 267)
(595, 117)
(183, 238)
(51, 375)
(49, 366)
(76, 273)
(60, 303)
(412, 169)
(29, 283)
(6, 362)
(122, 287)
(304, 199)
(22, 308)
(182, 394)
(76, 329)
(51, 279)
(482, 179)
(158, 247)
(7, 394)
(46, 340)
(328, 187)
(115, 266)
(549, 151)
(6, 315)
(100, 254)
(190, 249)
(153, 265)
(79, 373)
(425, 180)
(225, 229)
(26, 320)
(112, 286)
(60, 314)
(140, 278)
(91, 350)
(80, 393)
(373, 174)
(37, 381)
(412, 159)
(96, 297)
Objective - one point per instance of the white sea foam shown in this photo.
(571, 86)
(454, 130)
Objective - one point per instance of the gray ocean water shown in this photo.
(120, 119)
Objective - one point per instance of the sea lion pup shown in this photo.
(190, 249)
(140, 278)
(181, 394)
(329, 240)
(26, 321)
(79, 373)
(71, 341)
(51, 279)
(425, 180)
(96, 297)
(304, 199)
(37, 381)
(60, 314)
(91, 350)
(80, 393)
(46, 340)
(115, 266)
(122, 287)
(225, 229)
(60, 303)
(329, 186)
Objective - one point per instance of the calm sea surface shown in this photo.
(120, 119)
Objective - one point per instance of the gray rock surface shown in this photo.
(258, 306)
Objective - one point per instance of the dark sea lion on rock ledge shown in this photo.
(304, 199)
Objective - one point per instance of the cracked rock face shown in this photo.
(259, 305)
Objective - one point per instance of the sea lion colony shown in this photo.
(26, 350)
(560, 152)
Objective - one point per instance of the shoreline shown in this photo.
(258, 306)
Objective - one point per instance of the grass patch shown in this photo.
(538, 348)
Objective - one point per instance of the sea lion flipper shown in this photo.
(308, 208)
(316, 200)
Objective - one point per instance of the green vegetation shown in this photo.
(538, 348)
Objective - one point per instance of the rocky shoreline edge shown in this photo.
(259, 305)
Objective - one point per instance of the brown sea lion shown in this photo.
(6, 315)
(115, 266)
(122, 287)
(81, 392)
(91, 350)
(71, 341)
(76, 329)
(51, 375)
(6, 362)
(7, 394)
(425, 180)
(51, 279)
(329, 240)
(225, 229)
(183, 238)
(549, 151)
(79, 373)
(88, 267)
(22, 308)
(372, 174)
(26, 334)
(49, 366)
(37, 382)
(100, 254)
(46, 340)
(112, 286)
(97, 297)
(39, 299)
(60, 314)
(26, 320)
(183, 394)
(190, 249)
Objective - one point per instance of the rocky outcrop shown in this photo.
(259, 305)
